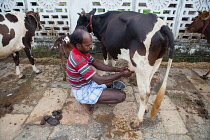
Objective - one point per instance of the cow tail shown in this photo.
(160, 95)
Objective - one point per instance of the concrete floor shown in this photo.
(180, 116)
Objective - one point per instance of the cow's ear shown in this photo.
(199, 12)
(38, 10)
(93, 11)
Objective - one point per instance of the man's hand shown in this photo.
(127, 73)
(123, 69)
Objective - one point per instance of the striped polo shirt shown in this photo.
(78, 68)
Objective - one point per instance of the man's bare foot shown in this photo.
(88, 108)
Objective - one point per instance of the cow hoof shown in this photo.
(38, 72)
(204, 77)
(147, 110)
(134, 127)
(22, 77)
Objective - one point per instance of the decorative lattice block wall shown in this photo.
(53, 15)
(176, 13)
(58, 17)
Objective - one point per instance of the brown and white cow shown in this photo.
(201, 24)
(16, 33)
(64, 47)
(141, 39)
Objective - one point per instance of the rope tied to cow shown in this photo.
(37, 22)
(90, 23)
(198, 38)
(52, 34)
(205, 26)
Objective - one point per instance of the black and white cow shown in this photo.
(16, 33)
(141, 39)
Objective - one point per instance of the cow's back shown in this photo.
(116, 26)
(133, 26)
(11, 34)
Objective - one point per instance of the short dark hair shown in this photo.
(77, 36)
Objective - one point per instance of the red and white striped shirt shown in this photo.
(78, 68)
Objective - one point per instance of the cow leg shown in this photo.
(145, 89)
(143, 83)
(31, 59)
(17, 62)
(63, 67)
(144, 96)
(155, 68)
(63, 62)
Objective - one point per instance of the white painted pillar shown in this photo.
(75, 7)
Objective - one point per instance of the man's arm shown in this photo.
(109, 78)
(100, 66)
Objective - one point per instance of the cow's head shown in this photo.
(85, 19)
(199, 21)
(36, 16)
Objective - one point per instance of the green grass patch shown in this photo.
(101, 10)
(146, 11)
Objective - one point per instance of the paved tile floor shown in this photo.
(174, 121)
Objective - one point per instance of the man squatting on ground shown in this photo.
(89, 87)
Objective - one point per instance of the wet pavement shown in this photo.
(183, 115)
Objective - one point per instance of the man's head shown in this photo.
(82, 40)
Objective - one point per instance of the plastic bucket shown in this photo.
(118, 85)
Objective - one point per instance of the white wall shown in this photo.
(176, 13)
